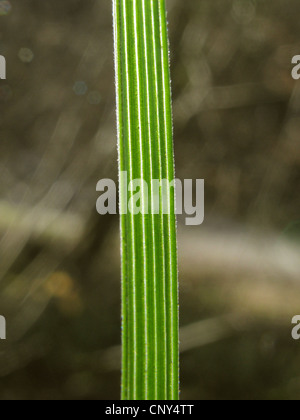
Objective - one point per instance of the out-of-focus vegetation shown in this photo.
(237, 125)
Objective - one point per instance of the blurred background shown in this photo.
(237, 125)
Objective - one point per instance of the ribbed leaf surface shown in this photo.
(148, 241)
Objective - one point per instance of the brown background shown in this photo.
(237, 125)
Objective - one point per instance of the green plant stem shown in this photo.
(148, 241)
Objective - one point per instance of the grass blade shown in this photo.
(148, 241)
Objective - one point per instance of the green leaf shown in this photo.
(148, 241)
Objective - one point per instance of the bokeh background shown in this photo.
(237, 125)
